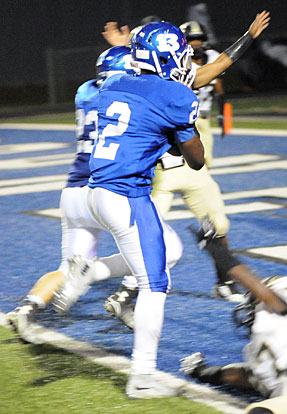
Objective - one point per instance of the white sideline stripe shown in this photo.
(31, 146)
(276, 192)
(280, 192)
(277, 252)
(187, 214)
(228, 209)
(45, 127)
(29, 185)
(262, 166)
(234, 164)
(199, 393)
(37, 162)
(253, 131)
(64, 127)
(32, 180)
(243, 159)
(32, 188)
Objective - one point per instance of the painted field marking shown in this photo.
(243, 159)
(38, 334)
(274, 192)
(262, 166)
(185, 214)
(228, 209)
(30, 147)
(276, 252)
(37, 162)
(56, 185)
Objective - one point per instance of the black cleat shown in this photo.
(120, 305)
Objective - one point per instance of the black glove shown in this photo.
(206, 232)
(220, 117)
(220, 121)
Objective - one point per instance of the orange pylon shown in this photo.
(227, 113)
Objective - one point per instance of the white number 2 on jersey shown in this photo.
(193, 113)
(109, 152)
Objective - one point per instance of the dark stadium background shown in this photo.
(30, 30)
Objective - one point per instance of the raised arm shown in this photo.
(205, 74)
(116, 36)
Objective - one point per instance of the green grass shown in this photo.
(46, 380)
(264, 104)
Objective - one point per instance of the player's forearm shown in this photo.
(258, 289)
(205, 74)
(193, 152)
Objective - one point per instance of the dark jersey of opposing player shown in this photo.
(86, 102)
(135, 117)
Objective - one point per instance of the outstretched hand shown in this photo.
(260, 23)
(116, 36)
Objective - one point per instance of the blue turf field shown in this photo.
(30, 244)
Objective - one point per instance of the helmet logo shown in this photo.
(167, 42)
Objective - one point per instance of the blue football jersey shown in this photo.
(136, 115)
(86, 102)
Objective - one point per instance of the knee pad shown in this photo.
(221, 224)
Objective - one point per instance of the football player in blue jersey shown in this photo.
(79, 235)
(139, 119)
(201, 193)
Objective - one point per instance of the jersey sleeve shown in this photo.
(83, 92)
(183, 112)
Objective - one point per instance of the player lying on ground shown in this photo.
(265, 357)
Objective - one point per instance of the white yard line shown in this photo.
(37, 334)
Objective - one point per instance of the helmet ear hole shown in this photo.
(163, 60)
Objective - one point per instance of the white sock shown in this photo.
(130, 282)
(36, 299)
(148, 320)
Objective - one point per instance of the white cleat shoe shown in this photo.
(76, 284)
(146, 386)
(191, 363)
(227, 291)
(23, 316)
